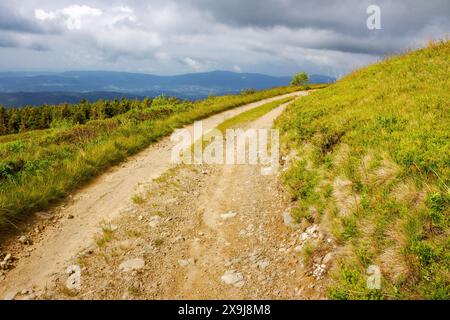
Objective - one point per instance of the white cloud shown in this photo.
(43, 15)
(193, 64)
(72, 16)
(113, 30)
(175, 36)
(79, 11)
(125, 9)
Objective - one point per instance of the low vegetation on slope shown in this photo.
(373, 169)
(39, 166)
(251, 115)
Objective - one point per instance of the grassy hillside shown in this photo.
(373, 169)
(39, 166)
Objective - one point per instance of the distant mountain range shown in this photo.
(25, 88)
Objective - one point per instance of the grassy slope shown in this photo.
(252, 114)
(374, 171)
(53, 162)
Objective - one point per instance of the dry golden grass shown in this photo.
(341, 154)
(392, 258)
(345, 198)
(406, 192)
(384, 174)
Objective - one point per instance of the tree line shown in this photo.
(43, 117)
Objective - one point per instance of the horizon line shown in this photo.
(164, 75)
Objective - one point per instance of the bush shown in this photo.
(300, 79)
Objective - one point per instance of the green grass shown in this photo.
(252, 114)
(374, 158)
(138, 199)
(38, 167)
(246, 117)
(106, 237)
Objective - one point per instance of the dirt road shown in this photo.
(201, 232)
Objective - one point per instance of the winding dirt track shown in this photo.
(103, 200)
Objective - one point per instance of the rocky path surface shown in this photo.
(194, 232)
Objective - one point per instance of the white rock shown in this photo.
(173, 200)
(304, 236)
(178, 238)
(132, 264)
(154, 221)
(267, 171)
(289, 220)
(228, 215)
(185, 262)
(253, 256)
(328, 257)
(319, 270)
(234, 278)
(262, 264)
(23, 239)
(313, 229)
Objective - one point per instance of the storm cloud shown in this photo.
(168, 37)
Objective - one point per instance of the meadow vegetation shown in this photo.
(248, 116)
(373, 170)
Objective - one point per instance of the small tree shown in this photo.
(300, 79)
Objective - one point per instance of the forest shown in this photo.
(17, 120)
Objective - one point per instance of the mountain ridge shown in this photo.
(35, 88)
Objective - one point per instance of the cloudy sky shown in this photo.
(275, 37)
